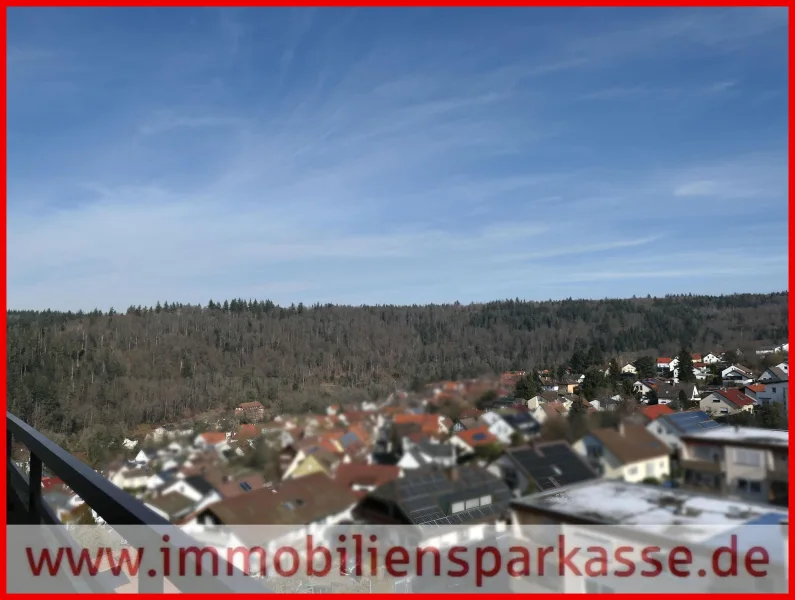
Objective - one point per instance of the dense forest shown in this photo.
(75, 372)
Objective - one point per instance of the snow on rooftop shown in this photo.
(616, 502)
(744, 434)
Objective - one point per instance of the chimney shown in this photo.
(621, 430)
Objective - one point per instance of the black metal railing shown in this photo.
(116, 507)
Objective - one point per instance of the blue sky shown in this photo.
(394, 156)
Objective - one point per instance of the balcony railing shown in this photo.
(118, 509)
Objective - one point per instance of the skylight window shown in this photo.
(245, 486)
(479, 436)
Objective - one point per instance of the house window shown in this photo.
(458, 507)
(485, 500)
(755, 487)
(472, 504)
(774, 390)
(632, 471)
(649, 469)
(748, 458)
(716, 401)
(742, 485)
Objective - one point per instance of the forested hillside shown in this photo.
(72, 372)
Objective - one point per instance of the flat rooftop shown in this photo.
(680, 514)
(748, 435)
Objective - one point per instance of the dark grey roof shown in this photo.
(385, 458)
(200, 484)
(522, 422)
(435, 450)
(779, 375)
(551, 465)
(426, 496)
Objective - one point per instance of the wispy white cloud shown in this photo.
(427, 175)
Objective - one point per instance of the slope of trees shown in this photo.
(70, 373)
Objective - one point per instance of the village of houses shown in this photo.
(404, 462)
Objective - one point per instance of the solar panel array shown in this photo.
(692, 421)
(427, 496)
(556, 465)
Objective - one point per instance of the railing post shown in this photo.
(34, 490)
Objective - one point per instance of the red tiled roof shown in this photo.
(756, 387)
(664, 360)
(736, 397)
(350, 474)
(695, 357)
(485, 437)
(213, 437)
(657, 410)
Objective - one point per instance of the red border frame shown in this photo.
(341, 3)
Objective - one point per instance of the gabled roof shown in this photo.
(478, 436)
(172, 504)
(293, 502)
(522, 422)
(664, 360)
(200, 484)
(736, 397)
(213, 437)
(656, 410)
(351, 474)
(634, 444)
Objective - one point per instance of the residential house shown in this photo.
(737, 375)
(700, 371)
(312, 460)
(670, 427)
(253, 411)
(541, 466)
(522, 424)
(609, 514)
(308, 505)
(462, 424)
(627, 452)
(465, 496)
(161, 479)
(470, 440)
(361, 479)
(727, 401)
(783, 348)
(498, 426)
(424, 453)
(629, 369)
(710, 359)
(752, 390)
(131, 478)
(144, 457)
(172, 506)
(664, 363)
(200, 491)
(746, 462)
(211, 440)
(650, 413)
(667, 393)
(129, 444)
(776, 383)
(644, 387)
